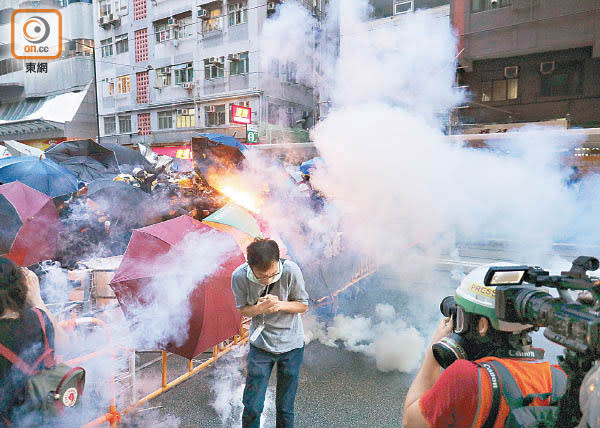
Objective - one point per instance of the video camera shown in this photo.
(572, 324)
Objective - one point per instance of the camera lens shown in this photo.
(448, 306)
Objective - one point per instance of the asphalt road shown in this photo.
(338, 388)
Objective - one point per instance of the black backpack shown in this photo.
(521, 414)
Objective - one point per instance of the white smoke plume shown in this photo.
(388, 339)
(166, 316)
(228, 388)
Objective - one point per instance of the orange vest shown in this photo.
(532, 377)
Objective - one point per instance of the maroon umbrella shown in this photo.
(29, 224)
(214, 316)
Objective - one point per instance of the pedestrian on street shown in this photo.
(271, 291)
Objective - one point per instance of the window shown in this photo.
(186, 117)
(162, 31)
(481, 5)
(238, 63)
(165, 119)
(500, 90)
(565, 80)
(274, 68)
(289, 72)
(273, 113)
(109, 88)
(163, 77)
(121, 44)
(403, 7)
(10, 65)
(184, 28)
(237, 103)
(214, 23)
(214, 67)
(123, 84)
(144, 124)
(214, 115)
(238, 14)
(110, 125)
(106, 46)
(124, 124)
(183, 73)
(105, 7)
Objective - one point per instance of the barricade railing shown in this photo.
(113, 416)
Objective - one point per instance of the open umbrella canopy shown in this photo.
(89, 160)
(121, 200)
(213, 314)
(18, 149)
(43, 175)
(310, 165)
(217, 153)
(29, 224)
(236, 221)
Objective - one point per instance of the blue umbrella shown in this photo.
(43, 175)
(309, 165)
(227, 140)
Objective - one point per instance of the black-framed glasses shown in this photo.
(261, 278)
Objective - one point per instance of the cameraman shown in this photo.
(473, 339)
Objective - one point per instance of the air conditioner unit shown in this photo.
(233, 57)
(172, 22)
(123, 11)
(102, 20)
(547, 67)
(210, 109)
(188, 85)
(511, 72)
(212, 60)
(202, 13)
(111, 17)
(271, 6)
(159, 84)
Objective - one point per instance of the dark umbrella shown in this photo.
(43, 175)
(29, 224)
(127, 158)
(217, 153)
(120, 200)
(214, 316)
(90, 160)
(85, 158)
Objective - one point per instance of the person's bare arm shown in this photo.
(426, 377)
(262, 307)
(292, 307)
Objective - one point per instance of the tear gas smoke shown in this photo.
(164, 319)
(389, 340)
(228, 388)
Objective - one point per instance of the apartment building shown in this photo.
(529, 60)
(31, 91)
(169, 69)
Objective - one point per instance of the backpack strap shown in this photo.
(16, 361)
(510, 389)
(46, 356)
(494, 381)
(559, 384)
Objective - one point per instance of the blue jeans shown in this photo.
(260, 365)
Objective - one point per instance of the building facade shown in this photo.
(529, 60)
(28, 88)
(168, 69)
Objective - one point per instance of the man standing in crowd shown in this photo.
(271, 291)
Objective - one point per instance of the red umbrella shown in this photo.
(214, 316)
(30, 224)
